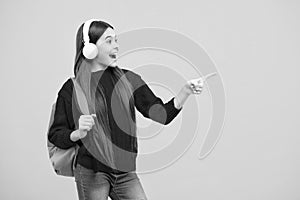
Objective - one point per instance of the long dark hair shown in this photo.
(95, 99)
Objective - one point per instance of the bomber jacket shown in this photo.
(63, 124)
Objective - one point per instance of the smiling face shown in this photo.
(107, 49)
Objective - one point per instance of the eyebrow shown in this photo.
(108, 37)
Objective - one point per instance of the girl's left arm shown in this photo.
(152, 107)
(182, 96)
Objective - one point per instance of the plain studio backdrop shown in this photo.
(255, 46)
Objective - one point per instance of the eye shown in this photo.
(109, 41)
(116, 40)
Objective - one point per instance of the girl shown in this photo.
(102, 120)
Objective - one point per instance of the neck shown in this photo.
(97, 66)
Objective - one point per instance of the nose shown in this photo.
(116, 45)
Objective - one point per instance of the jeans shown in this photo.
(101, 185)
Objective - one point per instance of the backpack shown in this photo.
(63, 160)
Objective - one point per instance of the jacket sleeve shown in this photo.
(63, 124)
(150, 105)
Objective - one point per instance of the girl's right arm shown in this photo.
(62, 132)
(63, 125)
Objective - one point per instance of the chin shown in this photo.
(113, 64)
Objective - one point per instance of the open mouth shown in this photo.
(113, 56)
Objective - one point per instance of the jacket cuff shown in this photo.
(67, 140)
(172, 110)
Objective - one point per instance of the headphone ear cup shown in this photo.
(90, 51)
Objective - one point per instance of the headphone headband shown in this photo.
(85, 31)
(89, 50)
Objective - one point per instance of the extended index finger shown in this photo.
(209, 75)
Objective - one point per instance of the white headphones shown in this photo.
(90, 50)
